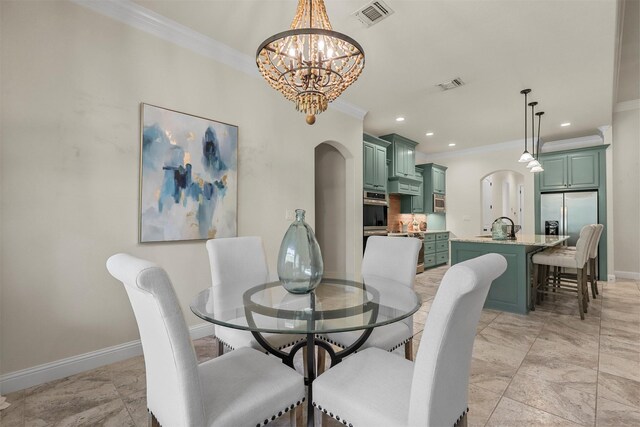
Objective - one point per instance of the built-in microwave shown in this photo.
(439, 204)
(374, 211)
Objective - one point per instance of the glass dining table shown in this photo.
(336, 305)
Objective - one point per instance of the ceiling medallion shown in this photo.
(310, 63)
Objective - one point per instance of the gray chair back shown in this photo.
(595, 240)
(441, 373)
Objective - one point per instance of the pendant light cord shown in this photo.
(539, 114)
(525, 121)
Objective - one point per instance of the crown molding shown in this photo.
(627, 105)
(150, 22)
(569, 144)
(501, 146)
(545, 147)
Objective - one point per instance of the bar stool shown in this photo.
(563, 258)
(592, 270)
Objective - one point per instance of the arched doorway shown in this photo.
(502, 195)
(331, 209)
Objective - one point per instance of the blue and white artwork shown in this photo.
(189, 177)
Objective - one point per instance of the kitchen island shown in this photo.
(510, 291)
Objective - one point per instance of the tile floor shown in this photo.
(547, 368)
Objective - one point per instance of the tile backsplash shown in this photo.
(394, 216)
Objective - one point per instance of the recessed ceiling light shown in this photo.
(399, 119)
(429, 133)
(453, 144)
(564, 125)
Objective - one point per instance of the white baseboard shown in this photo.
(628, 275)
(19, 380)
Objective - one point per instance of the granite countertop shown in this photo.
(395, 234)
(524, 239)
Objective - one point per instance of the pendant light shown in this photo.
(538, 168)
(526, 156)
(533, 162)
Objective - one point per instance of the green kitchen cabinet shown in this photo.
(402, 177)
(577, 170)
(434, 182)
(402, 153)
(414, 204)
(374, 164)
(436, 249)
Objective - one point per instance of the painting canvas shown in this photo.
(188, 177)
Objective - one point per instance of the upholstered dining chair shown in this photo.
(391, 258)
(238, 264)
(243, 387)
(375, 388)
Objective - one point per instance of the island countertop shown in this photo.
(524, 239)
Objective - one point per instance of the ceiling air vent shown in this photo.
(373, 13)
(451, 84)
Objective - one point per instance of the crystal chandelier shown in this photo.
(310, 63)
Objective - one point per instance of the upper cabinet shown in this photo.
(434, 183)
(402, 154)
(570, 171)
(375, 163)
(414, 204)
(438, 174)
(402, 177)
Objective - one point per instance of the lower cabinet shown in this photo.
(436, 249)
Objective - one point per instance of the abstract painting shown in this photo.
(188, 177)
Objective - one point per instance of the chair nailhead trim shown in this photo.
(335, 417)
(286, 409)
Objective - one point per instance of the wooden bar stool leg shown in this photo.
(580, 297)
(585, 288)
(533, 292)
(594, 279)
(596, 273)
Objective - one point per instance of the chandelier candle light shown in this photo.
(526, 157)
(310, 64)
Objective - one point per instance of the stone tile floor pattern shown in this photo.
(547, 368)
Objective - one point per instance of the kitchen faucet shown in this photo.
(511, 232)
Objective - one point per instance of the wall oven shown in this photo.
(374, 211)
(374, 215)
(439, 203)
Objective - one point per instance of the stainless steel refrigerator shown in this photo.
(572, 211)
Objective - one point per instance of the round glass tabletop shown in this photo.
(334, 306)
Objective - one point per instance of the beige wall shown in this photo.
(72, 82)
(626, 193)
(464, 187)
